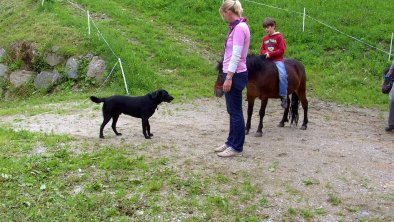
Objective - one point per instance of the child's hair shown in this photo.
(269, 22)
(231, 5)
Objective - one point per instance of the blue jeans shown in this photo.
(236, 137)
(282, 78)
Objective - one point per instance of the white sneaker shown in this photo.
(221, 148)
(229, 152)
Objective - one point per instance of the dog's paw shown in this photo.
(118, 134)
(101, 137)
(150, 134)
(148, 137)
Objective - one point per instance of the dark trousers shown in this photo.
(236, 137)
(391, 114)
(391, 107)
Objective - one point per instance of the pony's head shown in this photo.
(218, 88)
(387, 82)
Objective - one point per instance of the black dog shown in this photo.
(140, 107)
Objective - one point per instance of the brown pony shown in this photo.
(263, 82)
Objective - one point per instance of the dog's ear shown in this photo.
(155, 94)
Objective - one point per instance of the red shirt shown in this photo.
(275, 45)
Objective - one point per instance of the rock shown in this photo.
(20, 77)
(71, 68)
(88, 56)
(3, 70)
(24, 51)
(362, 214)
(8, 95)
(53, 58)
(46, 79)
(96, 68)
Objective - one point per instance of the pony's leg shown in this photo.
(304, 103)
(285, 117)
(263, 106)
(250, 112)
(294, 109)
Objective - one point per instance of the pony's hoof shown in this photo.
(303, 128)
(258, 134)
(281, 124)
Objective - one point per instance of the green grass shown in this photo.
(42, 178)
(174, 44)
(309, 182)
(334, 200)
(171, 45)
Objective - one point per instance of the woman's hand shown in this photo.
(228, 82)
(389, 74)
(227, 85)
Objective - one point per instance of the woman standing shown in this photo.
(236, 49)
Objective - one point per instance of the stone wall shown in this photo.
(56, 69)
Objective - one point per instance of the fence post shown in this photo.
(124, 77)
(391, 45)
(303, 21)
(88, 21)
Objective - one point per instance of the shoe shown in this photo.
(221, 148)
(284, 102)
(229, 152)
(389, 128)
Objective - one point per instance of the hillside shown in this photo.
(174, 44)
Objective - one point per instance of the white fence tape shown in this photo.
(324, 24)
(254, 2)
(271, 6)
(100, 35)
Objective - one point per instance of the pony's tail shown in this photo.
(294, 108)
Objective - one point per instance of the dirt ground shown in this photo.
(345, 151)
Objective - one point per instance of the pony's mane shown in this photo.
(255, 63)
(219, 66)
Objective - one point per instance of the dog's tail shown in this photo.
(97, 100)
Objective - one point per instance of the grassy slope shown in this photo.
(148, 38)
(339, 68)
(152, 58)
